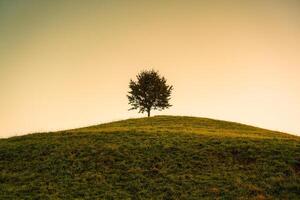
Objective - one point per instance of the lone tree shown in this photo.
(149, 92)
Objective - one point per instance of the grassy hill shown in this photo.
(163, 157)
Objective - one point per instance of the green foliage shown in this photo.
(160, 157)
(149, 92)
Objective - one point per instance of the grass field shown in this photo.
(162, 157)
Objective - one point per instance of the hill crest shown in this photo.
(185, 124)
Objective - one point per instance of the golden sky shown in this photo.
(67, 64)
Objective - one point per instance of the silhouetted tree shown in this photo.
(149, 92)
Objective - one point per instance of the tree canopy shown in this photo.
(149, 92)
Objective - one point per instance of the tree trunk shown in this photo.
(148, 111)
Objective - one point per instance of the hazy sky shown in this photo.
(67, 64)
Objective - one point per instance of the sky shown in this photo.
(67, 64)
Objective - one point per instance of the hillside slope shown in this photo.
(163, 157)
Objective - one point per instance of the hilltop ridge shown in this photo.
(185, 124)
